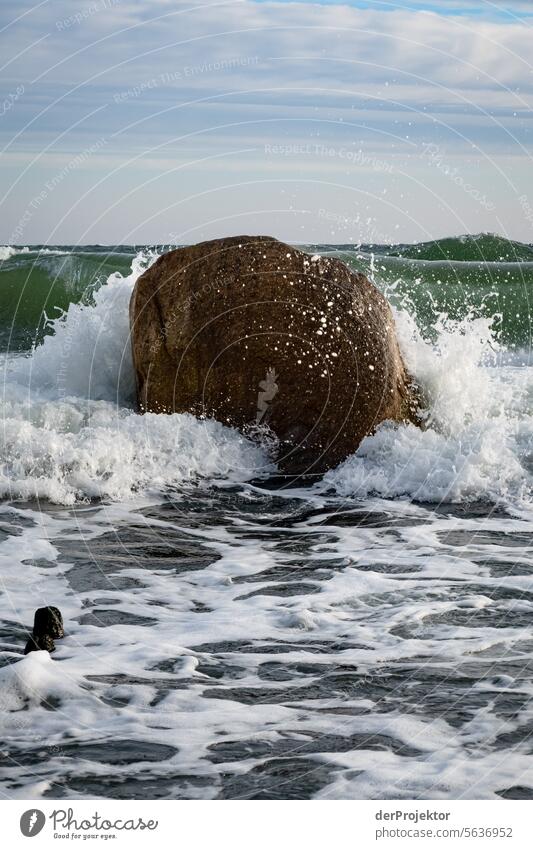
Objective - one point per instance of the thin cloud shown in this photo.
(173, 78)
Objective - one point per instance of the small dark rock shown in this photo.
(47, 627)
(48, 620)
(43, 643)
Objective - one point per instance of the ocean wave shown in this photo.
(482, 247)
(451, 276)
(477, 434)
(71, 450)
(70, 431)
(7, 251)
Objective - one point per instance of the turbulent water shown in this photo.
(227, 636)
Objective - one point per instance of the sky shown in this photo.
(134, 122)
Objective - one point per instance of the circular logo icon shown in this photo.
(32, 822)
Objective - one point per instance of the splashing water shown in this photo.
(226, 640)
(69, 430)
(477, 429)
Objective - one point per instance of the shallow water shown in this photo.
(237, 642)
(369, 636)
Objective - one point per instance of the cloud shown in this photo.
(164, 82)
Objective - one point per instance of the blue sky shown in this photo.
(457, 8)
(176, 121)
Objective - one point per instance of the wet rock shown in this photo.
(47, 627)
(254, 333)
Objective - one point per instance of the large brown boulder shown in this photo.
(253, 332)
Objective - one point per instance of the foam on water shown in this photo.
(69, 430)
(477, 433)
(33, 679)
(226, 641)
(66, 452)
(7, 251)
(89, 354)
(269, 648)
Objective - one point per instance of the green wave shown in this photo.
(38, 286)
(485, 247)
(478, 275)
(457, 289)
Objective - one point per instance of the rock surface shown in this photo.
(47, 627)
(253, 332)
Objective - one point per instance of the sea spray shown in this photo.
(477, 426)
(88, 354)
(217, 632)
(69, 430)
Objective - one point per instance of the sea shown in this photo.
(229, 635)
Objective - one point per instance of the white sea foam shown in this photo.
(89, 353)
(34, 678)
(68, 426)
(7, 251)
(234, 627)
(69, 430)
(67, 451)
(478, 432)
